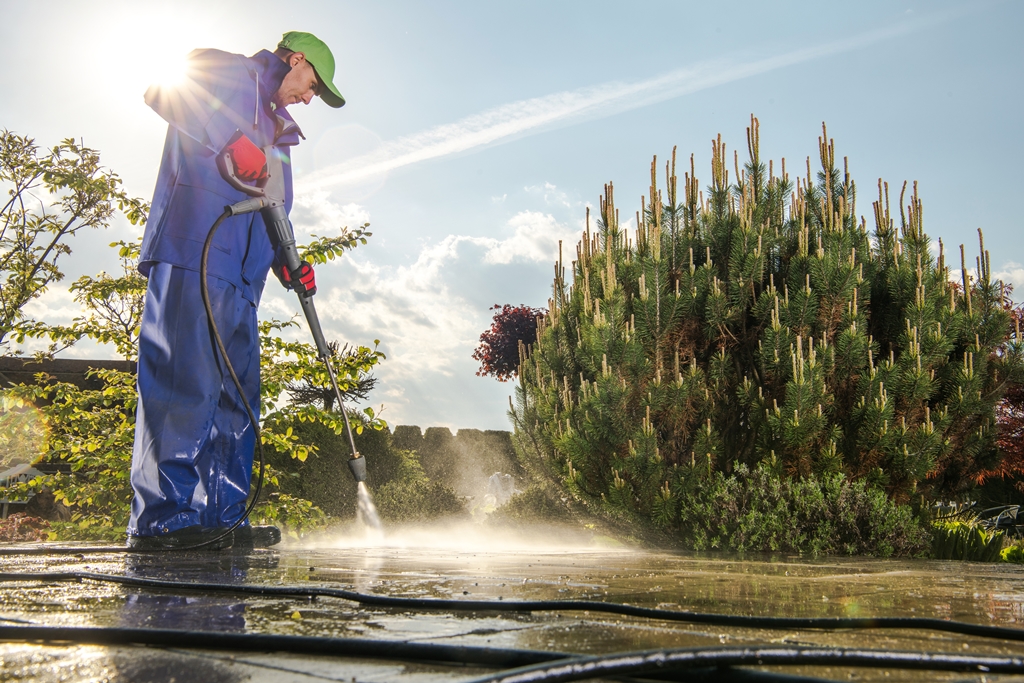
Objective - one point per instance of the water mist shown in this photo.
(367, 511)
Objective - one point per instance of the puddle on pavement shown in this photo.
(465, 563)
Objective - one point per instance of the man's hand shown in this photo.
(302, 279)
(249, 160)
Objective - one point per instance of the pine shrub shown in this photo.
(762, 321)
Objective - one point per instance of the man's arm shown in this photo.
(204, 104)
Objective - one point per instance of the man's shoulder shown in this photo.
(214, 56)
(206, 63)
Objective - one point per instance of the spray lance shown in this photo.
(268, 197)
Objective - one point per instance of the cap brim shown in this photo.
(332, 97)
(328, 93)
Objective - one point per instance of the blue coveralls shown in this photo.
(193, 452)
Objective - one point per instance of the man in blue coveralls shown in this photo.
(193, 454)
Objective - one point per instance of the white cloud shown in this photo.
(316, 213)
(56, 306)
(551, 195)
(534, 237)
(411, 308)
(1011, 272)
(508, 121)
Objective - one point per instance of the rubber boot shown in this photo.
(183, 539)
(256, 536)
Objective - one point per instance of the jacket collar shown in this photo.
(272, 70)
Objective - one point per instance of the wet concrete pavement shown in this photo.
(474, 564)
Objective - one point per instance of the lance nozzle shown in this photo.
(357, 464)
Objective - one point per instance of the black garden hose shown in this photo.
(370, 600)
(265, 642)
(682, 659)
(532, 666)
(204, 288)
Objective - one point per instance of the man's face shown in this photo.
(299, 85)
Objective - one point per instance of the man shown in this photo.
(194, 443)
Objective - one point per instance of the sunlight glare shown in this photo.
(24, 433)
(147, 58)
(449, 536)
(166, 70)
(137, 45)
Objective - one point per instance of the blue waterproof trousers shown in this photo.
(193, 453)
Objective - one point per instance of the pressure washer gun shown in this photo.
(267, 197)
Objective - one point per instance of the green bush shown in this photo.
(763, 511)
(292, 514)
(418, 500)
(323, 478)
(531, 505)
(401, 490)
(405, 494)
(385, 462)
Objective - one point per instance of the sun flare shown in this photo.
(138, 58)
(166, 70)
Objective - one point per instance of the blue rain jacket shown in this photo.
(222, 93)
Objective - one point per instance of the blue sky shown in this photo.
(476, 134)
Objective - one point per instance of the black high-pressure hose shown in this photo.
(534, 666)
(268, 642)
(205, 289)
(682, 659)
(425, 604)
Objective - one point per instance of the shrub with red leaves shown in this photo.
(498, 352)
(1010, 420)
(19, 527)
(1010, 423)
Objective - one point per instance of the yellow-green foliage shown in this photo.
(49, 196)
(1013, 552)
(960, 540)
(295, 515)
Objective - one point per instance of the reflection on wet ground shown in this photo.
(462, 564)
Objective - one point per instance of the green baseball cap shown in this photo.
(319, 55)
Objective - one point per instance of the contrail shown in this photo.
(516, 119)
